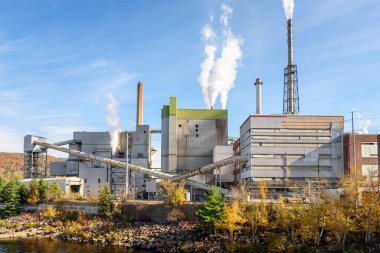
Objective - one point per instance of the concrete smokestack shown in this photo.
(139, 113)
(258, 84)
(290, 67)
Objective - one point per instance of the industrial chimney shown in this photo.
(291, 98)
(139, 113)
(258, 84)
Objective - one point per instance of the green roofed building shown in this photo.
(189, 137)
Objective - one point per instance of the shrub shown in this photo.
(50, 212)
(71, 215)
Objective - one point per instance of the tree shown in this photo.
(105, 202)
(23, 192)
(42, 190)
(213, 209)
(12, 198)
(33, 196)
(54, 192)
(233, 219)
(173, 192)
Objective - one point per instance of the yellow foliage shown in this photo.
(173, 192)
(233, 218)
(50, 212)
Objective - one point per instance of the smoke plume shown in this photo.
(218, 75)
(113, 121)
(363, 124)
(288, 8)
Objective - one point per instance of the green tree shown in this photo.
(105, 202)
(33, 196)
(43, 190)
(23, 192)
(11, 198)
(55, 192)
(213, 209)
(2, 184)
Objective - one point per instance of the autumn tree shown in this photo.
(233, 219)
(54, 192)
(174, 193)
(213, 208)
(34, 195)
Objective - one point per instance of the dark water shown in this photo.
(44, 245)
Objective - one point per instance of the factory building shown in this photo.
(363, 160)
(133, 147)
(191, 137)
(291, 148)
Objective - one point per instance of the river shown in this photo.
(44, 245)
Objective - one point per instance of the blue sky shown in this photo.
(58, 59)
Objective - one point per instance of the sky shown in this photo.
(60, 59)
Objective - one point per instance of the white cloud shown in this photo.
(11, 141)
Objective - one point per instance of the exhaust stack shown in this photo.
(139, 113)
(291, 98)
(258, 84)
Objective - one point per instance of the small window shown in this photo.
(140, 155)
(85, 180)
(196, 130)
(99, 180)
(179, 125)
(196, 125)
(197, 135)
(144, 132)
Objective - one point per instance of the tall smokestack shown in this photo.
(139, 113)
(291, 98)
(258, 84)
(290, 64)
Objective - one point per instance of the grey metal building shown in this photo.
(189, 137)
(286, 148)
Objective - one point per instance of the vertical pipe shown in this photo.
(258, 84)
(139, 113)
(290, 67)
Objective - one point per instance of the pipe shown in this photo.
(210, 167)
(63, 143)
(258, 84)
(124, 165)
(290, 68)
(139, 113)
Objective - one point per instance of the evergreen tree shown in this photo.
(11, 198)
(43, 190)
(213, 209)
(23, 192)
(2, 184)
(33, 196)
(105, 202)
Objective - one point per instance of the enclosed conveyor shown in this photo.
(211, 167)
(149, 172)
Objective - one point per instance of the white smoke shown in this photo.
(113, 121)
(288, 8)
(217, 76)
(363, 124)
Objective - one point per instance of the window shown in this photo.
(179, 125)
(197, 135)
(196, 130)
(99, 180)
(369, 149)
(196, 125)
(370, 170)
(85, 180)
(140, 155)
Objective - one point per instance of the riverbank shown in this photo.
(174, 237)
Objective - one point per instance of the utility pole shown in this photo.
(353, 141)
